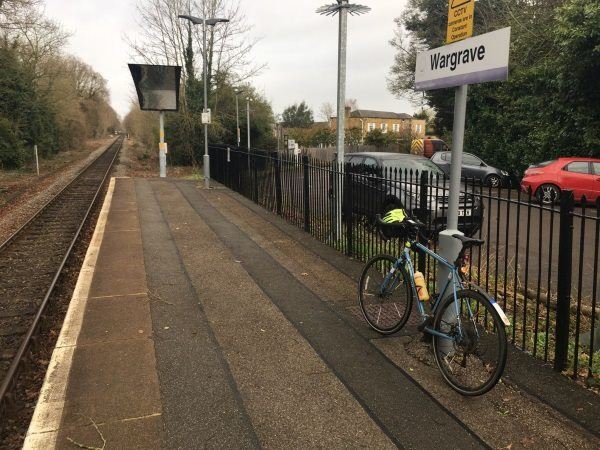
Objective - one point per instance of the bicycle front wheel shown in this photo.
(385, 308)
(473, 356)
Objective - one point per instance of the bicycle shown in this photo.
(467, 326)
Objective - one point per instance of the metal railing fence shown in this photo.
(540, 262)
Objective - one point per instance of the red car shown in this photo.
(546, 180)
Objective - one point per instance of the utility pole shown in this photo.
(248, 123)
(342, 7)
(237, 115)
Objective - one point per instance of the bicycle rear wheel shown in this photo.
(473, 360)
(385, 310)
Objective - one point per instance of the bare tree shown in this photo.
(163, 37)
(88, 83)
(326, 112)
(16, 12)
(352, 103)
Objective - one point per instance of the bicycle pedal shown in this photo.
(427, 322)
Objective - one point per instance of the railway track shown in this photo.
(32, 260)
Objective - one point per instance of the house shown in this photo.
(388, 122)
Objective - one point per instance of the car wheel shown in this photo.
(493, 181)
(548, 194)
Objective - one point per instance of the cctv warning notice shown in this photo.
(460, 20)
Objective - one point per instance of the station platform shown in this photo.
(201, 321)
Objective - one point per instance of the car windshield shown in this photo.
(418, 164)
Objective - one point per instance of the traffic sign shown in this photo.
(460, 20)
(474, 60)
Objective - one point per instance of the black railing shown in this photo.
(540, 262)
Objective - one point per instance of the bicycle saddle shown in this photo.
(468, 242)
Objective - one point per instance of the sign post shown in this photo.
(158, 90)
(37, 161)
(474, 60)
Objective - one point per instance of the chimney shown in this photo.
(347, 111)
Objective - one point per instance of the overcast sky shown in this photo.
(299, 47)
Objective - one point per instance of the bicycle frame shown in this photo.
(453, 278)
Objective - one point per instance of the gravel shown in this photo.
(22, 208)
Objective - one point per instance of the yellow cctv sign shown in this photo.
(460, 20)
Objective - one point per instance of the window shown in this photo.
(596, 168)
(371, 126)
(446, 156)
(396, 128)
(542, 164)
(384, 128)
(370, 167)
(439, 146)
(418, 128)
(578, 167)
(418, 164)
(471, 160)
(355, 162)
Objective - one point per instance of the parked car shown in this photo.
(546, 180)
(372, 193)
(474, 167)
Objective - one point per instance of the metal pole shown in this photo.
(563, 285)
(237, 118)
(206, 157)
(162, 155)
(278, 138)
(458, 136)
(248, 123)
(449, 246)
(248, 114)
(37, 161)
(341, 112)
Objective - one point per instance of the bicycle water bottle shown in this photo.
(421, 286)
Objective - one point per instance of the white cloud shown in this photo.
(299, 46)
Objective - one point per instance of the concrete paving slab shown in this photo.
(135, 433)
(112, 380)
(121, 221)
(118, 277)
(129, 319)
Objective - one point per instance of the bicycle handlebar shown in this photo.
(410, 224)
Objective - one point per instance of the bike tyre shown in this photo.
(396, 325)
(502, 350)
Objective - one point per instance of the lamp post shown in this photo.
(248, 124)
(237, 114)
(205, 116)
(342, 7)
(248, 119)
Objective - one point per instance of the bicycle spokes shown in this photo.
(473, 354)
